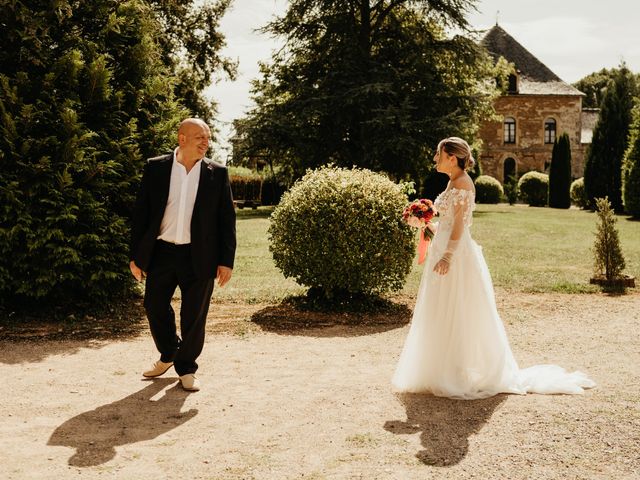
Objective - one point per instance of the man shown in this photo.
(183, 235)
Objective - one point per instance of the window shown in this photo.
(513, 84)
(549, 130)
(509, 130)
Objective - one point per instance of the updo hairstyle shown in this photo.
(460, 148)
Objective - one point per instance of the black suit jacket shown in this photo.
(213, 224)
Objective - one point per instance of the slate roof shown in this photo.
(534, 77)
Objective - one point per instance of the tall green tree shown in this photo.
(595, 84)
(191, 44)
(371, 84)
(631, 169)
(560, 173)
(603, 165)
(84, 98)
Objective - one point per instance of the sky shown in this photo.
(572, 37)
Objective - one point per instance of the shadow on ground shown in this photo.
(32, 339)
(249, 213)
(445, 425)
(95, 434)
(289, 319)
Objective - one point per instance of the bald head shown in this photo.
(193, 138)
(189, 124)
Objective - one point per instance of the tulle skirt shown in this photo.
(457, 346)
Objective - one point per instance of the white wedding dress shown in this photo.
(457, 346)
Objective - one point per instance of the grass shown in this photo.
(535, 249)
(528, 249)
(255, 277)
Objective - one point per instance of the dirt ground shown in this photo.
(280, 402)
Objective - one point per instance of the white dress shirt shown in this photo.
(183, 188)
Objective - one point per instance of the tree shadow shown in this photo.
(250, 213)
(32, 338)
(289, 319)
(135, 418)
(446, 425)
(21, 352)
(480, 213)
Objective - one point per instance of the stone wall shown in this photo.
(529, 150)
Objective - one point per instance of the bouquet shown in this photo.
(418, 214)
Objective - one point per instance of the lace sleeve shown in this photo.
(461, 207)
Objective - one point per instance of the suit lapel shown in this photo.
(164, 183)
(204, 187)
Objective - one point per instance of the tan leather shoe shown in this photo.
(190, 382)
(158, 369)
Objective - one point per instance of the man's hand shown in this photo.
(136, 271)
(224, 275)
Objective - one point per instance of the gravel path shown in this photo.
(282, 404)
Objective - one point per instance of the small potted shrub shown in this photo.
(608, 259)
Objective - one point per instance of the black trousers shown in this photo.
(171, 267)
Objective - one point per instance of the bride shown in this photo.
(457, 346)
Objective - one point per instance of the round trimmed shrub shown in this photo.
(488, 189)
(534, 188)
(578, 195)
(340, 231)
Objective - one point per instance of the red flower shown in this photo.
(419, 213)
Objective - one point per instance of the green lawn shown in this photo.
(544, 249)
(528, 249)
(255, 277)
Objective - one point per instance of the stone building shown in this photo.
(537, 107)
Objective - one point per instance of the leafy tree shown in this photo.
(631, 169)
(83, 99)
(370, 84)
(560, 173)
(190, 45)
(603, 165)
(595, 84)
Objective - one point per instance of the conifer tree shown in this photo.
(84, 99)
(371, 84)
(560, 173)
(603, 165)
(631, 170)
(608, 258)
